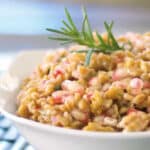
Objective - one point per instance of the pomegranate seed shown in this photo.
(58, 96)
(131, 110)
(146, 84)
(136, 83)
(119, 74)
(58, 72)
(93, 81)
(72, 86)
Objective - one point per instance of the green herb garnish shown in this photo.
(70, 34)
(57, 87)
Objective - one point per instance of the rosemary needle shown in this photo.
(69, 33)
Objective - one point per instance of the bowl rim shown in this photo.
(73, 132)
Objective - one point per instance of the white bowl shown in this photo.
(46, 137)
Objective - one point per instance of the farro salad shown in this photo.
(92, 91)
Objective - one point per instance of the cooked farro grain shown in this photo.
(111, 94)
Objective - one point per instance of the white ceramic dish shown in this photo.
(44, 137)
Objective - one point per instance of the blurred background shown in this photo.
(23, 23)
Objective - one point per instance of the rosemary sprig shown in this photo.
(70, 34)
(88, 57)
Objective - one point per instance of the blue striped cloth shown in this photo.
(10, 139)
